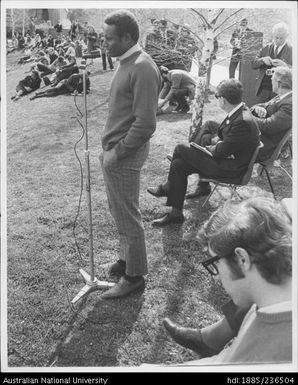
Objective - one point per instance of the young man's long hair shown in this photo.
(259, 225)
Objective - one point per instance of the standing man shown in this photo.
(237, 37)
(178, 84)
(277, 53)
(131, 122)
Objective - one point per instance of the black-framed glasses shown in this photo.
(210, 264)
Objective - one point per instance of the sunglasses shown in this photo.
(218, 96)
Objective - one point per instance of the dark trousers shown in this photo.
(104, 61)
(179, 97)
(66, 72)
(233, 66)
(188, 160)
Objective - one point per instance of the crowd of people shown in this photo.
(55, 59)
(248, 242)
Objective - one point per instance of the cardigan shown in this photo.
(133, 102)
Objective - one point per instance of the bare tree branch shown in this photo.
(231, 25)
(217, 16)
(202, 18)
(227, 18)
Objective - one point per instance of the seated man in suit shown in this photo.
(250, 247)
(238, 138)
(277, 53)
(274, 119)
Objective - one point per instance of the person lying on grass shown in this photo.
(28, 84)
(67, 86)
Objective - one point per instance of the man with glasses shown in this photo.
(250, 249)
(228, 158)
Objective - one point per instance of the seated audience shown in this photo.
(67, 86)
(178, 84)
(275, 117)
(227, 160)
(250, 248)
(27, 55)
(66, 71)
(28, 84)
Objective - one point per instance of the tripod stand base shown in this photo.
(91, 285)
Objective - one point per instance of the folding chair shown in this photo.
(268, 164)
(233, 185)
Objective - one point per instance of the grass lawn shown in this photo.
(43, 190)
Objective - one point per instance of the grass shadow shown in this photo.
(95, 338)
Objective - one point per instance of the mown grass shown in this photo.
(43, 193)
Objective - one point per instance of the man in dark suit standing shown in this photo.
(275, 117)
(238, 137)
(277, 53)
(236, 40)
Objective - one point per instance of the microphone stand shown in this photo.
(91, 282)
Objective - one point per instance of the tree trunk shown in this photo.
(12, 23)
(203, 83)
(24, 13)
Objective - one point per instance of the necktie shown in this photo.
(275, 52)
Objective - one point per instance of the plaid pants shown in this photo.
(122, 183)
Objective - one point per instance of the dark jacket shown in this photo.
(277, 122)
(285, 54)
(239, 136)
(28, 81)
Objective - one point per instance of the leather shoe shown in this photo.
(123, 288)
(167, 220)
(158, 192)
(189, 338)
(199, 192)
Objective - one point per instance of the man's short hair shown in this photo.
(231, 90)
(284, 76)
(262, 227)
(163, 70)
(280, 27)
(125, 22)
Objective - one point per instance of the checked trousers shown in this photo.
(122, 183)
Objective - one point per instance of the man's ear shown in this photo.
(243, 259)
(127, 38)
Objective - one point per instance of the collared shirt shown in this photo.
(279, 48)
(235, 109)
(131, 51)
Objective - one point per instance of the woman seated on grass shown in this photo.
(66, 71)
(50, 69)
(28, 84)
(67, 86)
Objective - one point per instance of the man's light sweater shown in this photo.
(132, 105)
(262, 338)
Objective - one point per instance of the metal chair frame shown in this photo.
(233, 186)
(266, 165)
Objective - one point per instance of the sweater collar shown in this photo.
(135, 48)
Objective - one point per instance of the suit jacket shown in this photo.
(277, 122)
(239, 136)
(285, 54)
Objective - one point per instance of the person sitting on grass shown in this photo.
(66, 71)
(28, 84)
(74, 84)
(50, 69)
(249, 243)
